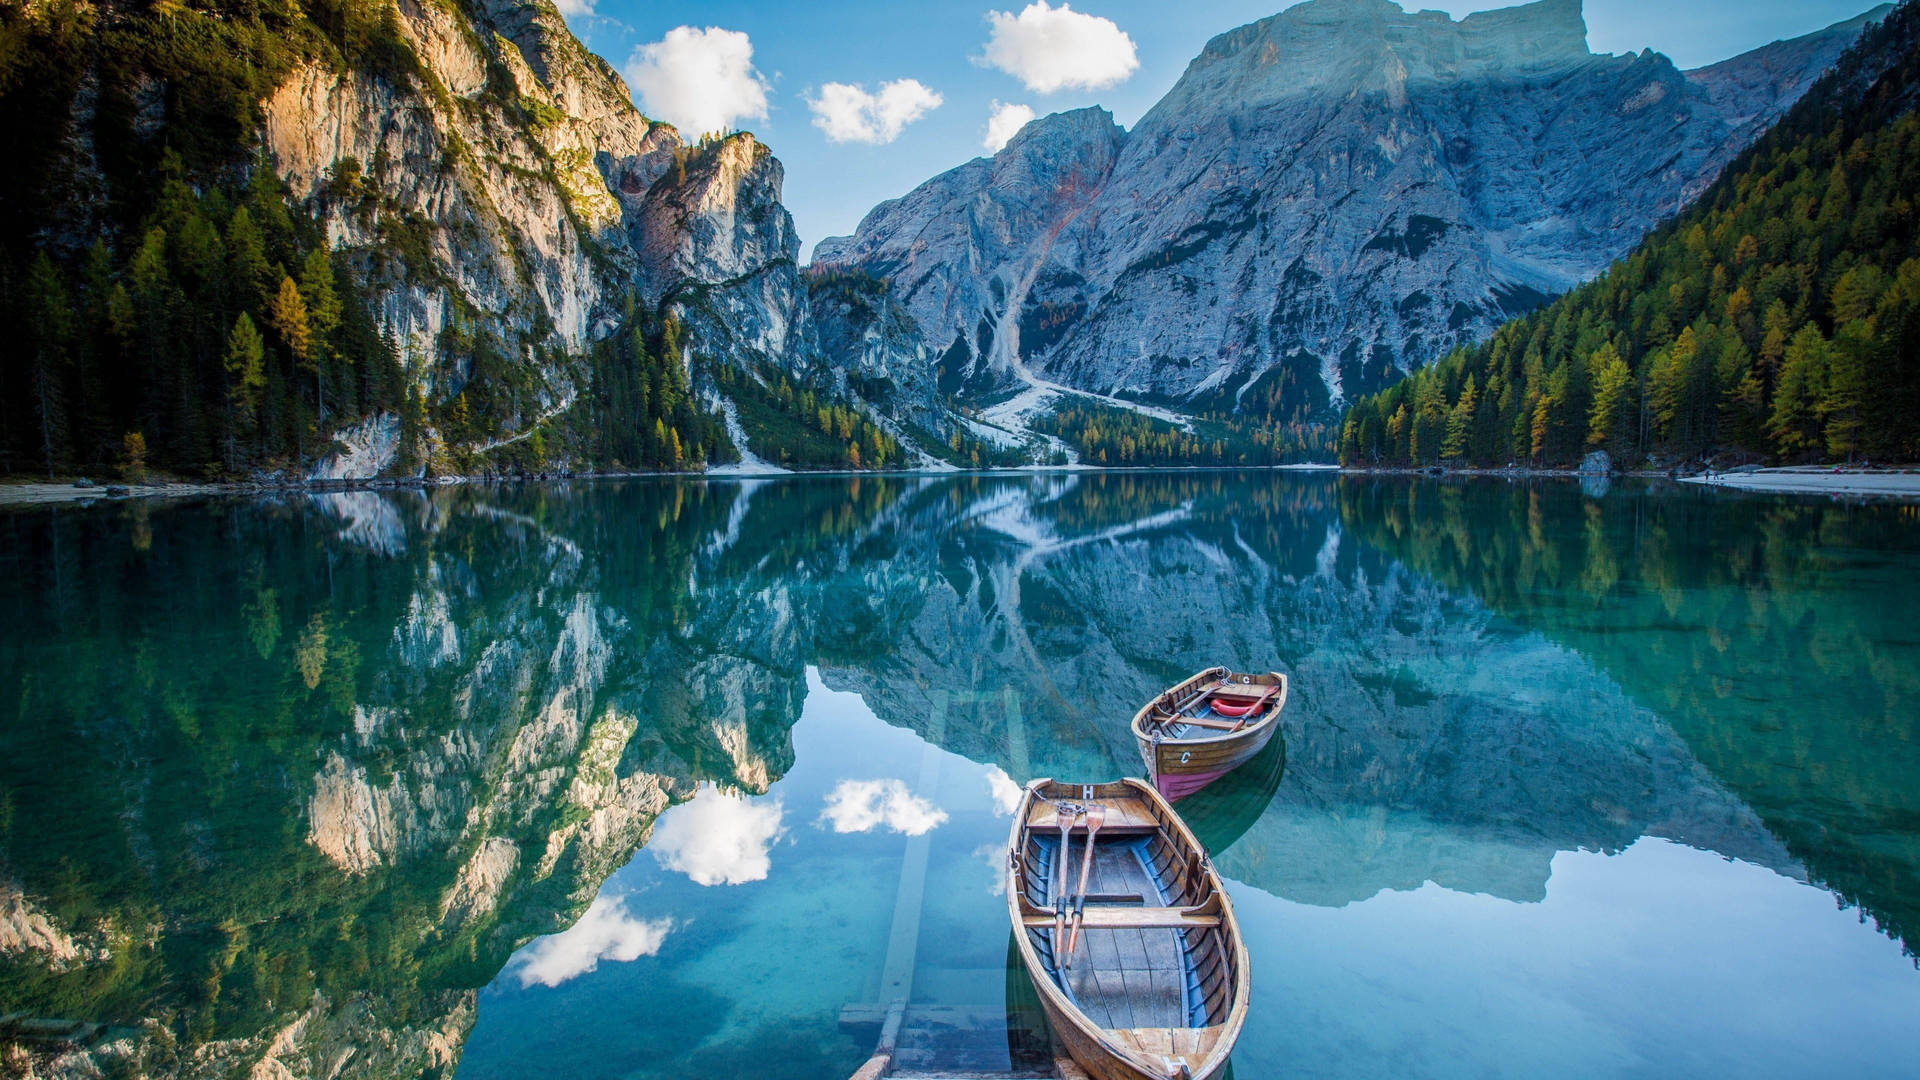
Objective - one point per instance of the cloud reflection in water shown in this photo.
(1006, 794)
(718, 839)
(606, 932)
(864, 805)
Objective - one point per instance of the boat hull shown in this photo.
(1177, 786)
(1096, 1058)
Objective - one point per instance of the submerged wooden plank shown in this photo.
(903, 940)
(1016, 734)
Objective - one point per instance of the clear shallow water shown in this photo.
(621, 780)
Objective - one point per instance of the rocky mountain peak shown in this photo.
(1376, 45)
(1543, 32)
(1327, 198)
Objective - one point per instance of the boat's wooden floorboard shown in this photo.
(1130, 977)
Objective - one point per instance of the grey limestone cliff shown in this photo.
(507, 197)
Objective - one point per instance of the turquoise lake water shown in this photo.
(630, 779)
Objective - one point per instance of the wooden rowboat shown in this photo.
(1206, 725)
(1127, 933)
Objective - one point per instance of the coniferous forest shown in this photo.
(1107, 435)
(1776, 319)
(174, 308)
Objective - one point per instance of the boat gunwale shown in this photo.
(1056, 1000)
(1271, 716)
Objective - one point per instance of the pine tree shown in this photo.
(246, 377)
(247, 263)
(1794, 423)
(1612, 383)
(323, 317)
(1742, 396)
(290, 322)
(49, 328)
(133, 457)
(1851, 359)
(1857, 293)
(1668, 381)
(459, 419)
(1460, 422)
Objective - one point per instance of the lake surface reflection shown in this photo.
(691, 778)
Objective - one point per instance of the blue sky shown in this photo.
(940, 51)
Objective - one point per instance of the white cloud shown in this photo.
(1049, 48)
(1004, 124)
(571, 8)
(698, 80)
(718, 839)
(863, 805)
(847, 113)
(605, 932)
(1006, 794)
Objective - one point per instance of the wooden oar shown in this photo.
(1065, 816)
(1096, 816)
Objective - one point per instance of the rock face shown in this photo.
(1327, 198)
(504, 203)
(964, 248)
(881, 354)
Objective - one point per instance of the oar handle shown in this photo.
(1065, 817)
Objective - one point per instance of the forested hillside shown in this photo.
(176, 304)
(168, 302)
(1777, 318)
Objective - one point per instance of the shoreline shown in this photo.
(1815, 480)
(34, 493)
(1786, 480)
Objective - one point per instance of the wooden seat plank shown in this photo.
(1208, 722)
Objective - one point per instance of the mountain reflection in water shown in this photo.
(292, 780)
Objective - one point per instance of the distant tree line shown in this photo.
(1110, 435)
(1778, 317)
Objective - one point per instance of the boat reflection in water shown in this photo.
(1222, 812)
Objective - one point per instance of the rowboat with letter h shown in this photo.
(1126, 931)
